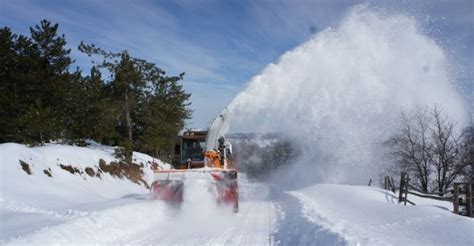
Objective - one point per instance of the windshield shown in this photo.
(193, 149)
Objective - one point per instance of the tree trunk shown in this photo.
(41, 138)
(425, 187)
(129, 137)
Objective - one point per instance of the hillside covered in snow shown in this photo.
(45, 185)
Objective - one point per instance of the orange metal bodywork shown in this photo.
(213, 159)
(171, 190)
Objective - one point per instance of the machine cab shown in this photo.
(189, 151)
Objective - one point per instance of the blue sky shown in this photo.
(220, 45)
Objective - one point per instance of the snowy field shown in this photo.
(77, 209)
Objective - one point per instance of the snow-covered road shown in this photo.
(250, 227)
(266, 217)
(136, 220)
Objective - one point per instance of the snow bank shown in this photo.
(100, 227)
(372, 216)
(40, 189)
(40, 200)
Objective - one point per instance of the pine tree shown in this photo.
(8, 92)
(53, 81)
(36, 84)
(152, 106)
(92, 114)
(164, 116)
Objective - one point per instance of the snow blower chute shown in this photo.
(200, 155)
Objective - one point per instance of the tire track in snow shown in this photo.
(248, 227)
(196, 224)
(293, 228)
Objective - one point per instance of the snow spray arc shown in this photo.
(339, 92)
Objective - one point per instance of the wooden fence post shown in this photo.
(393, 184)
(463, 198)
(456, 198)
(403, 191)
(400, 190)
(469, 187)
(407, 179)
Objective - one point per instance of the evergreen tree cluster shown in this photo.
(42, 98)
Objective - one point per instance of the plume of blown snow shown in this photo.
(339, 94)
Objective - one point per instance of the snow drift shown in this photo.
(363, 215)
(339, 92)
(63, 185)
(51, 194)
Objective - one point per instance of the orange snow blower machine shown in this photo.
(200, 155)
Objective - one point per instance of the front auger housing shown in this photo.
(169, 185)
